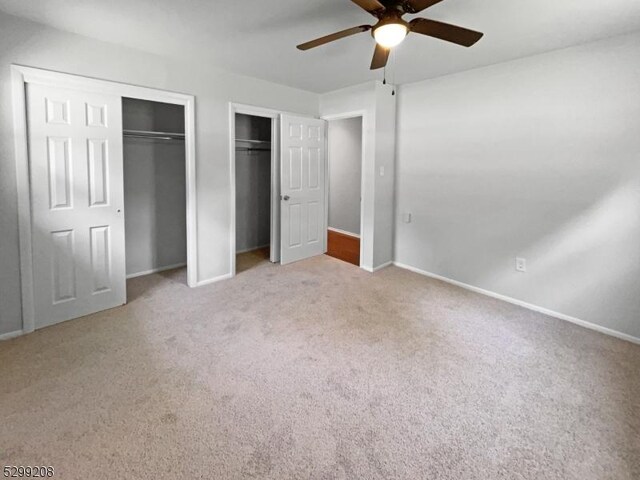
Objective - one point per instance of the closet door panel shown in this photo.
(75, 160)
(98, 165)
(59, 172)
(302, 177)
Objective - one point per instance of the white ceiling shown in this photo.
(258, 37)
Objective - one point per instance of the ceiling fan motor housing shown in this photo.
(398, 6)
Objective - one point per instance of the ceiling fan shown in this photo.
(391, 29)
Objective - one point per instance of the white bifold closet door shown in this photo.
(302, 180)
(76, 169)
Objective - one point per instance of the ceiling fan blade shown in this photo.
(415, 6)
(445, 31)
(380, 57)
(334, 36)
(369, 5)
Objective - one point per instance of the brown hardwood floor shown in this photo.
(344, 247)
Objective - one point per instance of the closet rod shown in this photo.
(252, 141)
(149, 134)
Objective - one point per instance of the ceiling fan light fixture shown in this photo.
(391, 29)
(390, 35)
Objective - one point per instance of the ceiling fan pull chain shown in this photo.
(393, 75)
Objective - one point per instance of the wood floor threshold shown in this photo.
(343, 247)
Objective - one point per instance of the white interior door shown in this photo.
(302, 181)
(76, 170)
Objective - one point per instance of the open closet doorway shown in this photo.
(154, 188)
(255, 173)
(345, 189)
(69, 139)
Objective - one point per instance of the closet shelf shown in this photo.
(155, 135)
(253, 145)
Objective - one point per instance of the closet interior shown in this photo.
(154, 186)
(253, 189)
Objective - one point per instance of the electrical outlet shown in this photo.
(406, 217)
(382, 171)
(521, 264)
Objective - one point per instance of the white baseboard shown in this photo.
(156, 270)
(384, 265)
(529, 306)
(252, 249)
(379, 267)
(344, 232)
(7, 336)
(219, 278)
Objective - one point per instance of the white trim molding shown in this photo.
(379, 267)
(219, 278)
(520, 303)
(24, 197)
(10, 335)
(22, 75)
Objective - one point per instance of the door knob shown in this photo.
(285, 197)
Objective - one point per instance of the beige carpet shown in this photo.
(319, 370)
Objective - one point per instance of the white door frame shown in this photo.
(344, 116)
(274, 238)
(21, 75)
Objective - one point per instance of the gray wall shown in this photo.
(154, 187)
(253, 185)
(345, 173)
(27, 43)
(538, 158)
